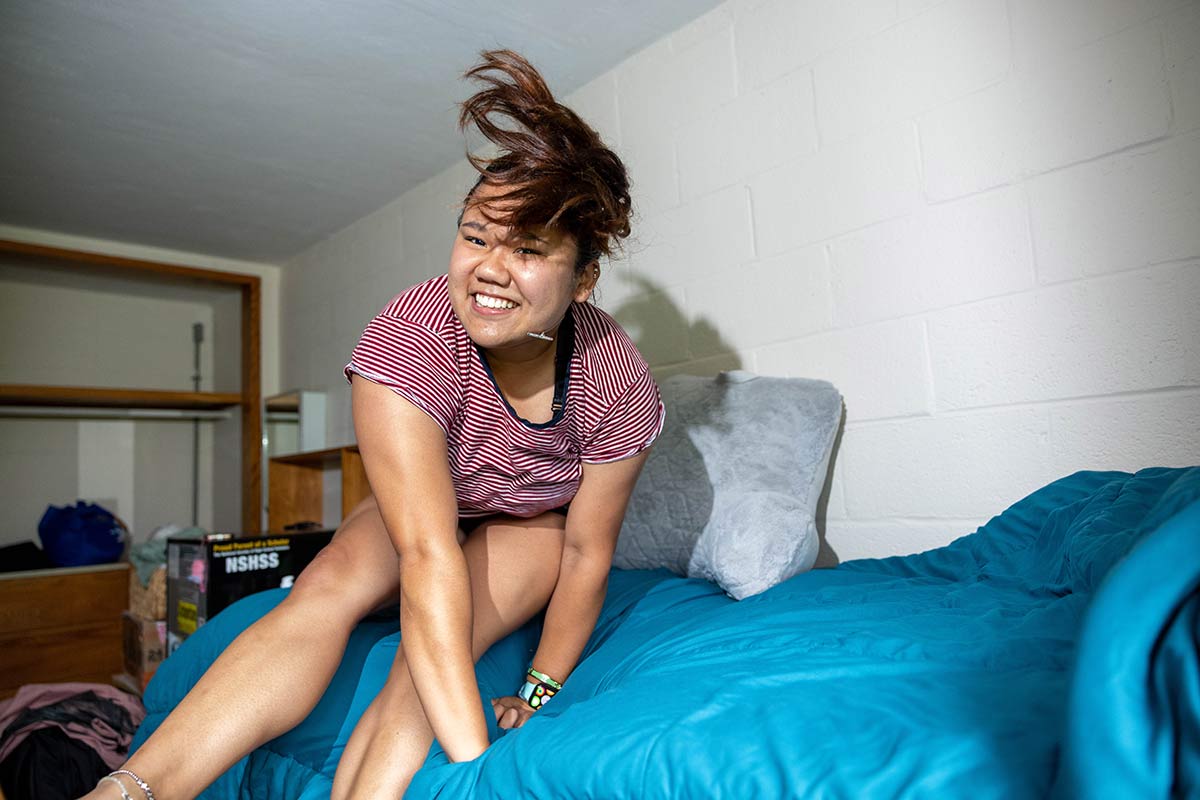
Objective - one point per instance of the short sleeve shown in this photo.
(629, 426)
(411, 361)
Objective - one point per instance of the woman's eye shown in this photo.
(527, 251)
(475, 240)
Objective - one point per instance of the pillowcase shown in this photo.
(729, 492)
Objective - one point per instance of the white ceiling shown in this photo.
(251, 129)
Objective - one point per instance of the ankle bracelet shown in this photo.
(125, 795)
(141, 784)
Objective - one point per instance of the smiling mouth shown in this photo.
(495, 303)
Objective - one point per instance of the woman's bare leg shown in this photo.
(508, 588)
(299, 645)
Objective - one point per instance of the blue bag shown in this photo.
(81, 535)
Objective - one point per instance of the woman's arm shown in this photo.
(404, 452)
(593, 523)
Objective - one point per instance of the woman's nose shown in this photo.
(492, 266)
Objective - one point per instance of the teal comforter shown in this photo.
(1054, 652)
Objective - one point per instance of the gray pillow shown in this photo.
(729, 492)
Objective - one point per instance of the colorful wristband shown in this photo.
(536, 694)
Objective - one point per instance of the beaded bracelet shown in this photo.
(141, 784)
(125, 795)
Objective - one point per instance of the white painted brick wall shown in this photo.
(1043, 30)
(882, 370)
(1131, 332)
(664, 87)
(938, 257)
(1126, 434)
(596, 102)
(650, 159)
(1103, 97)
(660, 89)
(1121, 212)
(979, 219)
(957, 466)
(948, 52)
(774, 300)
(839, 189)
(1181, 40)
(777, 36)
(715, 23)
(721, 148)
(910, 8)
(850, 540)
(698, 238)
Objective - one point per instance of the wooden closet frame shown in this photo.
(249, 398)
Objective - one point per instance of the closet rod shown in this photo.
(111, 413)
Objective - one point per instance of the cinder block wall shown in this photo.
(979, 219)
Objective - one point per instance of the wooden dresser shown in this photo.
(61, 625)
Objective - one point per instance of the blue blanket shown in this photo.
(1054, 651)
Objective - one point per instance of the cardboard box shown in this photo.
(205, 576)
(150, 601)
(145, 643)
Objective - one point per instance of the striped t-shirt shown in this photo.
(499, 462)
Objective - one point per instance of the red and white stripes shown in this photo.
(500, 463)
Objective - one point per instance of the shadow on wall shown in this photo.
(665, 336)
(827, 556)
(667, 339)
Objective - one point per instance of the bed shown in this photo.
(1053, 652)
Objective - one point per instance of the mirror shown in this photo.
(293, 422)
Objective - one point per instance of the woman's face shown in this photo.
(505, 284)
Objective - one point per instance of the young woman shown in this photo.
(503, 422)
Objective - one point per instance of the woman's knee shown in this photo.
(327, 584)
(325, 574)
(358, 570)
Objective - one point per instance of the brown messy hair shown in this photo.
(556, 170)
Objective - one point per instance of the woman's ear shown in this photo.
(586, 282)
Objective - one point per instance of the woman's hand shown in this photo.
(511, 712)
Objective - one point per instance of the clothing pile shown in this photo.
(58, 739)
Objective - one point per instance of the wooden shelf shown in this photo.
(317, 458)
(248, 400)
(295, 485)
(89, 397)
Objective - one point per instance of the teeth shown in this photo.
(493, 302)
